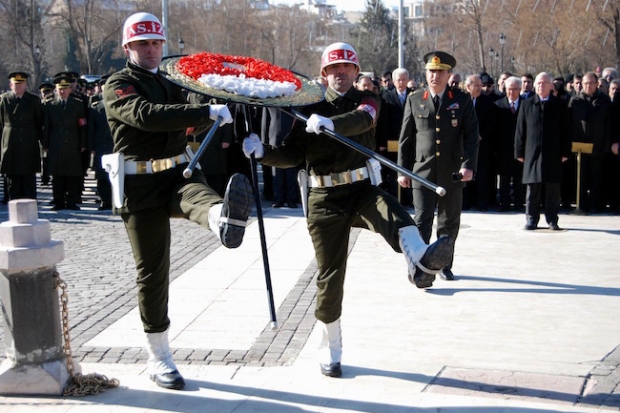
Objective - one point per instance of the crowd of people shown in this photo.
(590, 115)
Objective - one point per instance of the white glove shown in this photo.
(316, 122)
(222, 111)
(253, 145)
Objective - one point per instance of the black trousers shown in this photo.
(22, 186)
(66, 190)
(533, 200)
(449, 209)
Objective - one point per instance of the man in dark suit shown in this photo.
(509, 169)
(542, 143)
(481, 191)
(591, 122)
(388, 131)
(439, 137)
(527, 86)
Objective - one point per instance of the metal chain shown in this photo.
(78, 384)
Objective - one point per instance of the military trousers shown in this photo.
(449, 208)
(150, 237)
(332, 212)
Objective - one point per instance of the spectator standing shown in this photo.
(438, 138)
(386, 81)
(64, 140)
(100, 143)
(388, 131)
(527, 86)
(542, 143)
(509, 169)
(21, 116)
(591, 122)
(481, 191)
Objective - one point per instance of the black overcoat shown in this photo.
(542, 138)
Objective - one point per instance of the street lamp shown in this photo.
(502, 42)
(491, 54)
(37, 62)
(181, 45)
(496, 65)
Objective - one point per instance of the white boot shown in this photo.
(330, 348)
(430, 258)
(160, 364)
(215, 213)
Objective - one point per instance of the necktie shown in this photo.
(512, 107)
(436, 102)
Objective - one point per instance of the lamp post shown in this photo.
(37, 63)
(502, 42)
(496, 65)
(491, 54)
(181, 45)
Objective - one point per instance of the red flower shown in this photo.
(204, 63)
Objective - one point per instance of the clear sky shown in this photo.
(344, 5)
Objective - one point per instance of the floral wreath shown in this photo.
(199, 64)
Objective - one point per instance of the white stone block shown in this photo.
(23, 211)
(46, 378)
(24, 235)
(32, 257)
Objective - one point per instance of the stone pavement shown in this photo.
(530, 324)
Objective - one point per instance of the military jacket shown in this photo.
(64, 136)
(22, 129)
(354, 115)
(148, 115)
(434, 145)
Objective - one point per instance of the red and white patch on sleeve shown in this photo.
(82, 121)
(125, 90)
(369, 106)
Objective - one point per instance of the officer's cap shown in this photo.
(18, 77)
(74, 76)
(569, 78)
(438, 60)
(63, 81)
(46, 87)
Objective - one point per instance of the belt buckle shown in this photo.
(140, 167)
(159, 165)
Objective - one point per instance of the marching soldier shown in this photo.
(21, 116)
(148, 118)
(342, 195)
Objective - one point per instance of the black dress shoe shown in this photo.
(438, 254)
(447, 274)
(172, 380)
(58, 207)
(422, 279)
(277, 205)
(104, 207)
(291, 204)
(529, 227)
(331, 370)
(554, 227)
(73, 207)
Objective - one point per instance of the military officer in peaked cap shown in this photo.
(439, 138)
(21, 117)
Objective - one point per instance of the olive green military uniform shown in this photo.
(22, 130)
(148, 117)
(434, 144)
(333, 211)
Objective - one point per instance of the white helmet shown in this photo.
(142, 26)
(339, 53)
